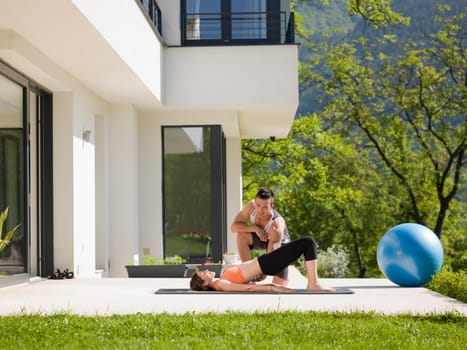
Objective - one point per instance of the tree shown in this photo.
(410, 108)
(384, 143)
(324, 188)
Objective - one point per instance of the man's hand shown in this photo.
(262, 235)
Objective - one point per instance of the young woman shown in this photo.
(237, 278)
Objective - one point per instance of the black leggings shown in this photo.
(277, 260)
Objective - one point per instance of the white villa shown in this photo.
(121, 124)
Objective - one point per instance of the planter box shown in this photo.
(173, 271)
(191, 268)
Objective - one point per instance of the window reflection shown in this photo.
(187, 192)
(203, 19)
(214, 20)
(248, 19)
(12, 255)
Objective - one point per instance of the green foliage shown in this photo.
(6, 240)
(452, 284)
(233, 330)
(325, 188)
(254, 253)
(171, 260)
(385, 140)
(377, 12)
(407, 107)
(333, 262)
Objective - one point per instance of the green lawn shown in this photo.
(284, 330)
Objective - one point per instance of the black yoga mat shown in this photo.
(339, 290)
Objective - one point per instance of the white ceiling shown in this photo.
(57, 28)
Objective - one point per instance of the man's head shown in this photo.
(265, 193)
(264, 201)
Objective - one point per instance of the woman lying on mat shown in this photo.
(237, 278)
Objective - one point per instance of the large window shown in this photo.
(26, 176)
(194, 192)
(13, 253)
(227, 22)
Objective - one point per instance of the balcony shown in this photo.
(153, 14)
(220, 23)
(237, 28)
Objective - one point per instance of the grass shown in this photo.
(275, 330)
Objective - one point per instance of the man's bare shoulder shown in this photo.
(250, 206)
(244, 215)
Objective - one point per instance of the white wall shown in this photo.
(123, 180)
(108, 161)
(150, 170)
(101, 142)
(86, 106)
(74, 180)
(234, 187)
(150, 185)
(170, 21)
(236, 76)
(260, 83)
(124, 27)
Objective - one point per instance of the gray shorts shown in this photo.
(257, 243)
(263, 245)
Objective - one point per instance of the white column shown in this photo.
(63, 180)
(234, 187)
(123, 196)
(150, 184)
(102, 194)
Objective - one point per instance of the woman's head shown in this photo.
(200, 280)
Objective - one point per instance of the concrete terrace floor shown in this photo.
(108, 296)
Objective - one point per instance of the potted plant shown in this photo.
(158, 267)
(6, 240)
(231, 258)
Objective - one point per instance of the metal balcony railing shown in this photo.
(238, 28)
(154, 13)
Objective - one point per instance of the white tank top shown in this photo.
(268, 225)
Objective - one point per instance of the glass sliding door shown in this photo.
(193, 193)
(13, 252)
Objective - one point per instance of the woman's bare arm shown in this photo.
(227, 286)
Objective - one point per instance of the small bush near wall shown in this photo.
(332, 263)
(449, 283)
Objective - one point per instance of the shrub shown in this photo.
(333, 262)
(6, 240)
(171, 260)
(452, 284)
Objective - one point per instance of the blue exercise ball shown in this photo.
(410, 254)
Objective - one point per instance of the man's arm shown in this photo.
(240, 222)
(276, 234)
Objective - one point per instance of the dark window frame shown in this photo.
(279, 27)
(45, 205)
(218, 189)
